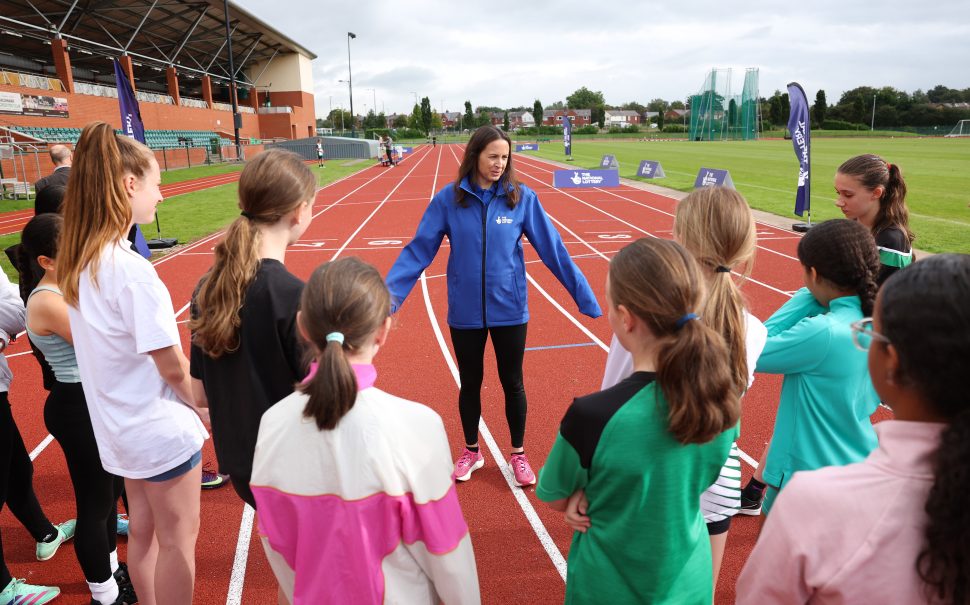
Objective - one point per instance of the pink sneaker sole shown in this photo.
(471, 469)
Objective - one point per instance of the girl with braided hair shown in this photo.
(872, 191)
(826, 396)
(903, 536)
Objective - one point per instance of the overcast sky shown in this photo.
(508, 54)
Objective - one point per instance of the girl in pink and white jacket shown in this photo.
(353, 485)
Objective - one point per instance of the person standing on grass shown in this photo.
(134, 374)
(96, 491)
(365, 473)
(826, 397)
(893, 528)
(17, 470)
(246, 354)
(319, 153)
(485, 213)
(715, 225)
(644, 450)
(872, 192)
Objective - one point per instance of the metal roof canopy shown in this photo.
(157, 34)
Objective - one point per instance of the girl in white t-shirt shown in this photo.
(135, 376)
(365, 474)
(715, 225)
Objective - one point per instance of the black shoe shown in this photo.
(750, 506)
(126, 590)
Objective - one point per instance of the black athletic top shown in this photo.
(895, 252)
(241, 385)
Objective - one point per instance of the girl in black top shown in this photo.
(872, 191)
(246, 354)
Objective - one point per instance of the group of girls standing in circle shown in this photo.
(650, 459)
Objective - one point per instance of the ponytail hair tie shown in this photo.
(335, 337)
(246, 215)
(683, 320)
(722, 269)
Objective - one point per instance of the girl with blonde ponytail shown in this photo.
(246, 354)
(715, 225)
(644, 450)
(368, 475)
(132, 369)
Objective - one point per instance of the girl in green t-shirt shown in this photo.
(645, 449)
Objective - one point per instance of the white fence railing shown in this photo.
(190, 102)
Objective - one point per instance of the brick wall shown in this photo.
(156, 116)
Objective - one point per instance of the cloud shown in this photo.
(509, 54)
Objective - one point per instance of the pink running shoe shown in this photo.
(468, 463)
(522, 471)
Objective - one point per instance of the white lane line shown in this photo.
(41, 447)
(238, 578)
(568, 315)
(650, 234)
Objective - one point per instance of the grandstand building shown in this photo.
(56, 71)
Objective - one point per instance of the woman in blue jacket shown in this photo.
(485, 213)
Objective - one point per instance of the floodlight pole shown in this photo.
(872, 127)
(232, 85)
(350, 87)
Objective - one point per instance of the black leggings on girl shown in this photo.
(509, 345)
(16, 484)
(96, 491)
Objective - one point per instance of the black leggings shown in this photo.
(16, 484)
(96, 491)
(509, 345)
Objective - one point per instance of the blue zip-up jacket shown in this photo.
(486, 269)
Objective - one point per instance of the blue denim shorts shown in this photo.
(179, 470)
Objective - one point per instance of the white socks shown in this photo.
(113, 557)
(105, 592)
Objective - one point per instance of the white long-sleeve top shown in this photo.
(13, 318)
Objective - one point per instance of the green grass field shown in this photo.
(936, 170)
(192, 216)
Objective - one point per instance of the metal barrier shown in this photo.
(333, 148)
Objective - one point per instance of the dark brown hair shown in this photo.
(844, 253)
(924, 311)
(273, 184)
(481, 138)
(39, 238)
(660, 282)
(346, 296)
(873, 171)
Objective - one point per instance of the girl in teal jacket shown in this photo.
(826, 397)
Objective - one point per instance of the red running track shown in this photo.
(14, 221)
(519, 543)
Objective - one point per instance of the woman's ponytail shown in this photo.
(344, 304)
(660, 283)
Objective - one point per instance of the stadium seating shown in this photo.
(156, 139)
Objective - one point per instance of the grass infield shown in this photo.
(766, 172)
(192, 216)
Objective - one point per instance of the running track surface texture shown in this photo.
(520, 544)
(14, 220)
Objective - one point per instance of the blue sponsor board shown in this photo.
(404, 150)
(609, 162)
(650, 169)
(527, 147)
(713, 177)
(586, 178)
